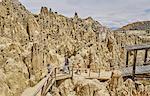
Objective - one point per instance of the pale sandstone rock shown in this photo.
(28, 42)
(83, 87)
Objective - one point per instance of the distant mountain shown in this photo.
(142, 25)
(114, 28)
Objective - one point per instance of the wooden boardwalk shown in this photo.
(139, 70)
(144, 69)
(42, 88)
(46, 83)
(137, 47)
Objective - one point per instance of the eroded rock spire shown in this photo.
(44, 10)
(76, 15)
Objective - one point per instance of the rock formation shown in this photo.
(115, 87)
(28, 42)
(141, 25)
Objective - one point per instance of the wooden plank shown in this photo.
(42, 84)
(103, 79)
(139, 70)
(137, 47)
(62, 76)
(48, 87)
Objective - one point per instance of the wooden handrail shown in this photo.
(51, 79)
(41, 87)
(44, 87)
(46, 80)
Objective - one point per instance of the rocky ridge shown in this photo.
(141, 25)
(28, 42)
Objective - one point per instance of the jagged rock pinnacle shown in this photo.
(76, 15)
(44, 10)
(50, 10)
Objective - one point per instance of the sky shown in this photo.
(110, 13)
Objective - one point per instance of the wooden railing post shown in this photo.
(99, 72)
(69, 69)
(55, 75)
(127, 56)
(42, 90)
(89, 72)
(72, 73)
(145, 58)
(134, 64)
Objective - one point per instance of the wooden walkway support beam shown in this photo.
(135, 48)
(145, 58)
(99, 72)
(55, 75)
(134, 64)
(127, 57)
(72, 72)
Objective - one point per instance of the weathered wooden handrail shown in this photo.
(88, 70)
(42, 86)
(136, 48)
(85, 69)
(47, 87)
(51, 78)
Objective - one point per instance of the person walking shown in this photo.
(49, 68)
(66, 65)
(78, 69)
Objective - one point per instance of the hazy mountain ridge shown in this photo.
(140, 25)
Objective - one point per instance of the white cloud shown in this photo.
(109, 12)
